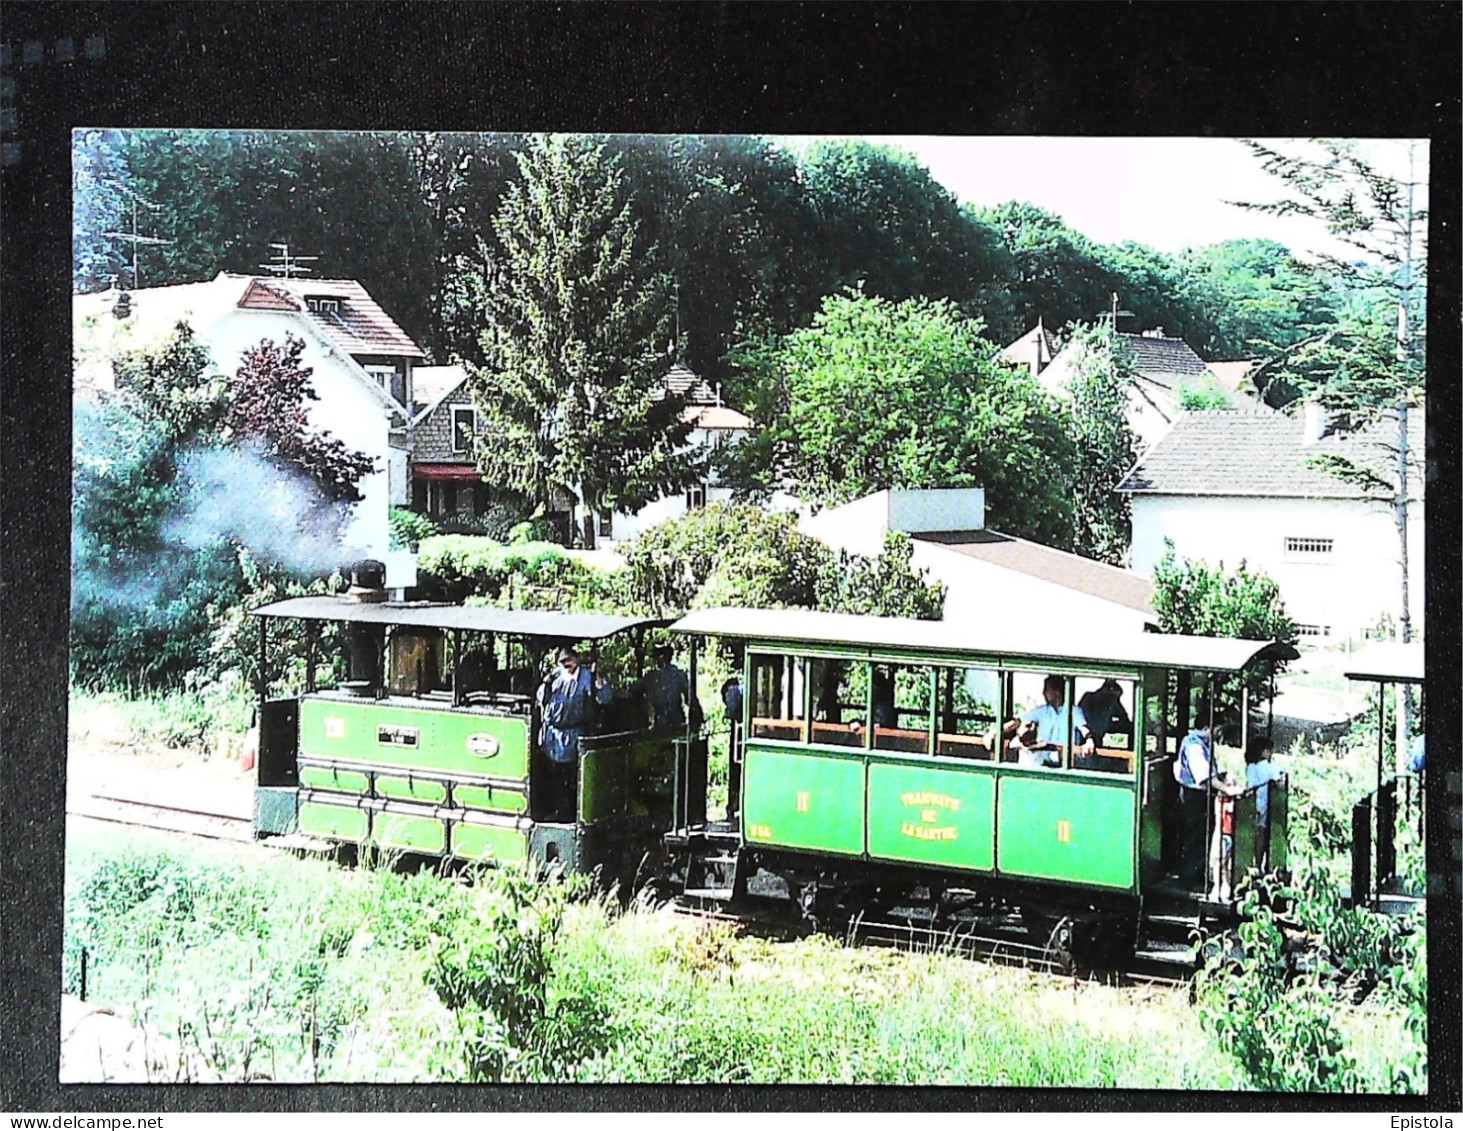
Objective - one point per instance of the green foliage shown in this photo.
(725, 553)
(886, 586)
(465, 565)
(1195, 599)
(1282, 1033)
(409, 528)
(876, 394)
(1260, 299)
(1104, 447)
(1201, 394)
(496, 974)
(575, 341)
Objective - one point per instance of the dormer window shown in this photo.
(323, 305)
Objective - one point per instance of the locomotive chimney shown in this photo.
(368, 581)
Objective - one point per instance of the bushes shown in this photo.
(464, 565)
(409, 528)
(742, 556)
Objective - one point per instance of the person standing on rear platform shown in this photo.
(570, 698)
(1194, 770)
(1260, 771)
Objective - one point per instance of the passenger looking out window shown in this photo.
(1043, 733)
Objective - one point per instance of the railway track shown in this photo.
(136, 813)
(1004, 947)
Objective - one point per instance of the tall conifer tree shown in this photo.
(576, 342)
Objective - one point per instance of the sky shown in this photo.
(1168, 193)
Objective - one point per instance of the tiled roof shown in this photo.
(716, 417)
(359, 325)
(1260, 454)
(1109, 583)
(1163, 360)
(681, 381)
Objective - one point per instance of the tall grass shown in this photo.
(209, 719)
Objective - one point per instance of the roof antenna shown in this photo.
(286, 265)
(133, 237)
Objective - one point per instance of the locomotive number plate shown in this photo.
(482, 745)
(388, 735)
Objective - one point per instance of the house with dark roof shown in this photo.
(1164, 368)
(362, 363)
(1248, 486)
(992, 579)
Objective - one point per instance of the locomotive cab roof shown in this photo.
(473, 618)
(970, 638)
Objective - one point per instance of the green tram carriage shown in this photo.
(431, 745)
(931, 795)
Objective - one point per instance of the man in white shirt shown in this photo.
(1046, 729)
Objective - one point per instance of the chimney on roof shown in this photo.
(1314, 423)
(1156, 332)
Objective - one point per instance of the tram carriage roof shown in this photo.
(1387, 662)
(1133, 649)
(549, 624)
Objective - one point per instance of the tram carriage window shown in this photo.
(969, 706)
(839, 701)
(778, 684)
(902, 707)
(1109, 705)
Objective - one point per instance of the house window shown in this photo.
(1313, 630)
(1309, 547)
(464, 426)
(606, 525)
(696, 496)
(381, 374)
(323, 305)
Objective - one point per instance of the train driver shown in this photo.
(1043, 731)
(570, 698)
(669, 693)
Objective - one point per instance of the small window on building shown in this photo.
(464, 427)
(605, 527)
(323, 305)
(1309, 547)
(383, 375)
(778, 709)
(1313, 630)
(696, 496)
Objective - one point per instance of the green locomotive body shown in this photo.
(411, 754)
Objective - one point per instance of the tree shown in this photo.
(267, 402)
(575, 342)
(887, 585)
(1260, 297)
(876, 394)
(1104, 448)
(1368, 367)
(1195, 599)
(884, 224)
(99, 203)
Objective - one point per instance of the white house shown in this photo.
(361, 363)
(714, 425)
(1232, 486)
(992, 579)
(1163, 368)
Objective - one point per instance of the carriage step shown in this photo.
(723, 858)
(1190, 921)
(1168, 954)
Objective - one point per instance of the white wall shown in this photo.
(927, 511)
(1349, 591)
